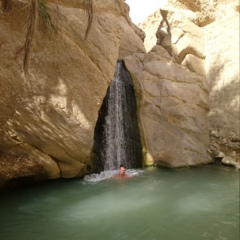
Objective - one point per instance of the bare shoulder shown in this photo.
(118, 176)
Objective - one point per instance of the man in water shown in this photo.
(122, 172)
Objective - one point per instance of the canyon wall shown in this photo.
(173, 106)
(48, 116)
(203, 36)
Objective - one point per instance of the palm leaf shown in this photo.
(44, 14)
(27, 47)
(38, 7)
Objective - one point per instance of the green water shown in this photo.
(155, 204)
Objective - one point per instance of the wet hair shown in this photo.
(123, 166)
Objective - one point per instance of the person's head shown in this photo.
(122, 169)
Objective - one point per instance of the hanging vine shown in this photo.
(38, 9)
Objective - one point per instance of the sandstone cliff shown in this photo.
(173, 106)
(203, 36)
(48, 117)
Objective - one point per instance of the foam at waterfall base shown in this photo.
(109, 174)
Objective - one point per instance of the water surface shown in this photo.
(155, 204)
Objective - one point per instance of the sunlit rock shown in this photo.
(204, 37)
(50, 115)
(173, 106)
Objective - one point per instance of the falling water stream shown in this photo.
(116, 141)
(155, 204)
(117, 138)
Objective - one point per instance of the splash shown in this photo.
(93, 178)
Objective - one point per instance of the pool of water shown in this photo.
(154, 204)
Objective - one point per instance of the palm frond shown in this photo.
(44, 14)
(27, 47)
(89, 9)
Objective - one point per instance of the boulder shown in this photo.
(172, 107)
(194, 64)
(230, 161)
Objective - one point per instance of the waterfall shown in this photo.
(116, 141)
(117, 138)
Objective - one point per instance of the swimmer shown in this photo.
(122, 172)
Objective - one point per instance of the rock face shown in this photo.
(222, 69)
(203, 36)
(173, 105)
(150, 26)
(50, 115)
